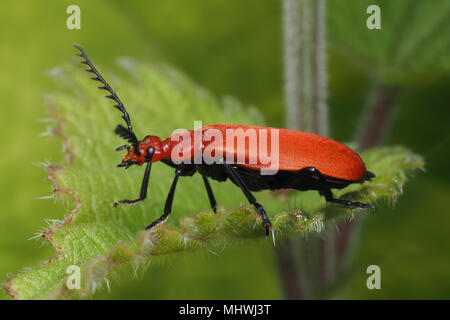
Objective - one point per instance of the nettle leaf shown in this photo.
(414, 39)
(99, 238)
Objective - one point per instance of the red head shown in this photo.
(151, 147)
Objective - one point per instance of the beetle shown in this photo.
(306, 161)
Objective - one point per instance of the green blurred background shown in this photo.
(234, 47)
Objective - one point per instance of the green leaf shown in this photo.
(99, 238)
(413, 41)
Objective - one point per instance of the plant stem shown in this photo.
(320, 89)
(292, 63)
(378, 117)
(304, 265)
(308, 267)
(305, 72)
(288, 270)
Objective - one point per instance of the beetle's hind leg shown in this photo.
(329, 197)
(324, 190)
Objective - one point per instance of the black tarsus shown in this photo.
(368, 176)
(329, 197)
(112, 95)
(211, 198)
(235, 176)
(144, 186)
(326, 192)
(127, 164)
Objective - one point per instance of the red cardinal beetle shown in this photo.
(305, 161)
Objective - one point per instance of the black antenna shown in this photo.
(130, 136)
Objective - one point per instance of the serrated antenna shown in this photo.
(112, 95)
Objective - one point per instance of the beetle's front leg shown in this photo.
(144, 186)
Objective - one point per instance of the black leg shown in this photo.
(211, 198)
(169, 200)
(144, 186)
(329, 197)
(325, 191)
(233, 174)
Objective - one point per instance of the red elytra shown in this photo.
(296, 150)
